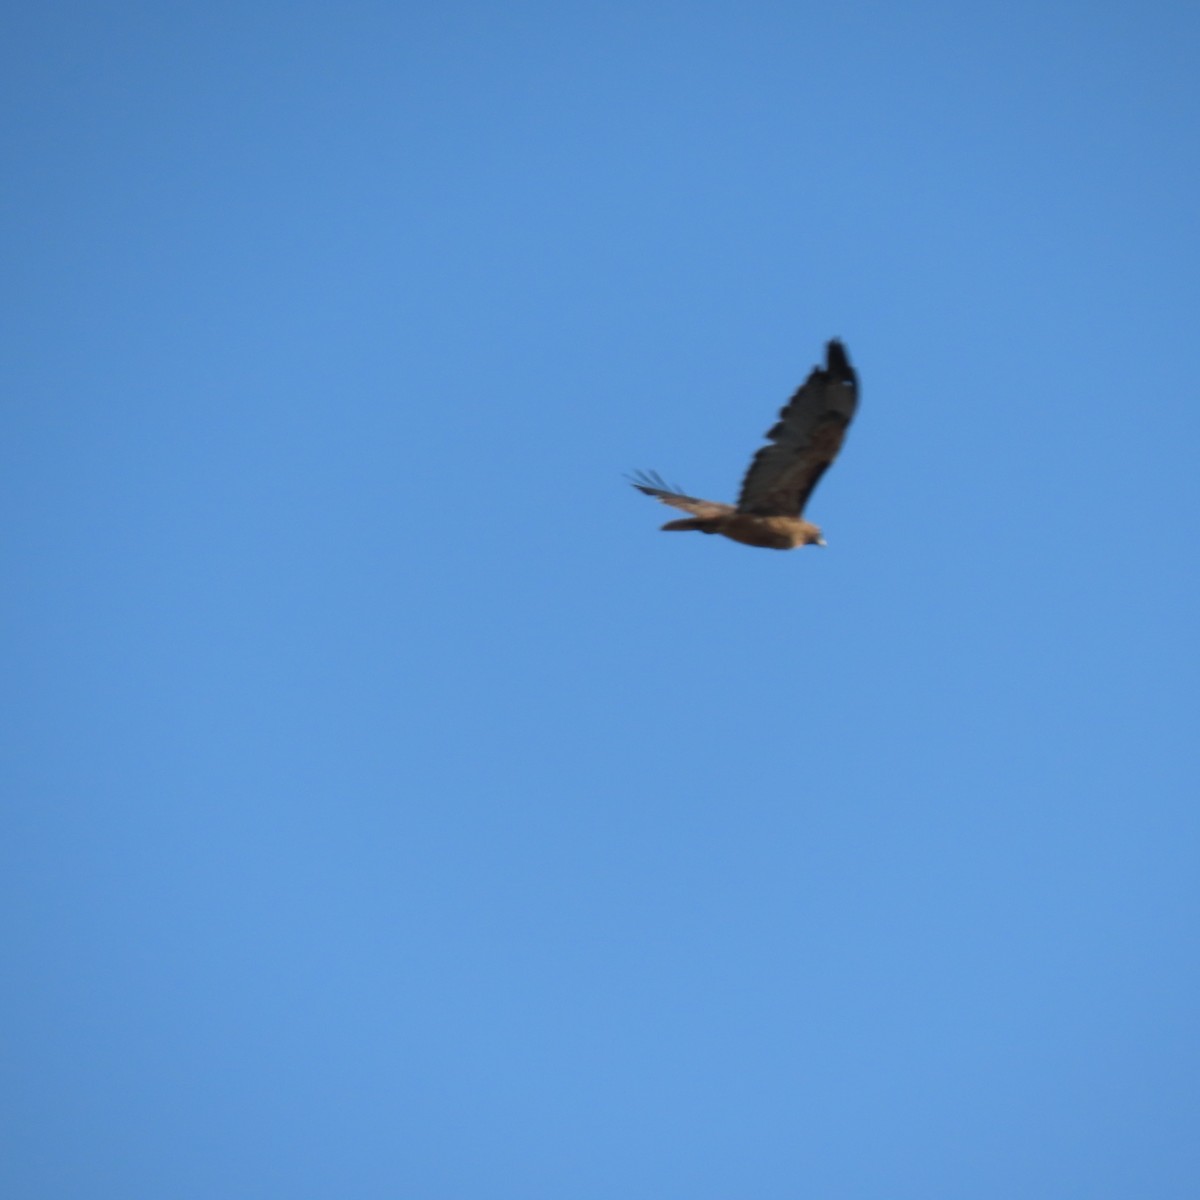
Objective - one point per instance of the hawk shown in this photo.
(783, 473)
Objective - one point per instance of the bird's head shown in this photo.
(813, 536)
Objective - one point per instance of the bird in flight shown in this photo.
(782, 475)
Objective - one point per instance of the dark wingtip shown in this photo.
(651, 483)
(837, 361)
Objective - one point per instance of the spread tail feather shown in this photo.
(702, 524)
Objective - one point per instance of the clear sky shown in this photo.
(391, 811)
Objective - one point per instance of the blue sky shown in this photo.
(391, 811)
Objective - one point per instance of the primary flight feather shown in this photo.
(783, 474)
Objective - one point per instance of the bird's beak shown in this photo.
(821, 542)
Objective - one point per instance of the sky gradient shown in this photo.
(391, 810)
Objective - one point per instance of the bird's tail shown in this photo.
(701, 524)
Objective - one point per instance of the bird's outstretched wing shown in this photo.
(806, 440)
(652, 484)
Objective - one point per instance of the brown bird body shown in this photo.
(782, 476)
(771, 533)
